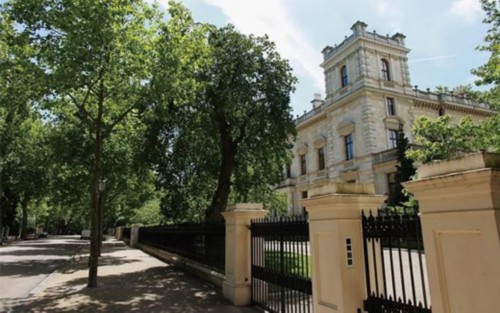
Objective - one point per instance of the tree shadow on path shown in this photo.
(157, 289)
(129, 281)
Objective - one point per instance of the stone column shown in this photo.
(119, 232)
(338, 277)
(460, 213)
(237, 284)
(134, 235)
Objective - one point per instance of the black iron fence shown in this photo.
(204, 243)
(126, 234)
(395, 269)
(281, 264)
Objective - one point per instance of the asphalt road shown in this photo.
(24, 265)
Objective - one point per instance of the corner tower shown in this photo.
(366, 59)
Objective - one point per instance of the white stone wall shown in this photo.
(361, 107)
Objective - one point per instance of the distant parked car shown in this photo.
(85, 234)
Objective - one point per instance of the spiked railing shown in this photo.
(396, 276)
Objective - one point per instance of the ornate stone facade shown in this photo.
(350, 135)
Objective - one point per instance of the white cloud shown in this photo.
(440, 57)
(382, 6)
(261, 17)
(468, 10)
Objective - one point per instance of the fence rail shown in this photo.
(395, 269)
(281, 266)
(204, 243)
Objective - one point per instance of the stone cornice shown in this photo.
(364, 43)
(451, 106)
(331, 106)
(312, 121)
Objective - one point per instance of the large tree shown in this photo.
(96, 57)
(232, 125)
(247, 101)
(32, 177)
(489, 73)
(19, 121)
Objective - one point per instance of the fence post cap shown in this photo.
(245, 207)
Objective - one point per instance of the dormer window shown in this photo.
(385, 69)
(344, 79)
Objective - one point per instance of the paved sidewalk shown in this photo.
(129, 281)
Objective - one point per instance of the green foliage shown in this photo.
(148, 214)
(275, 202)
(22, 153)
(441, 139)
(293, 263)
(405, 172)
(489, 73)
(224, 131)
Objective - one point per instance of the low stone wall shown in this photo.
(187, 265)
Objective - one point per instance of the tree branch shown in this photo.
(120, 117)
(81, 107)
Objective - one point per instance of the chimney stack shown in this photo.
(317, 102)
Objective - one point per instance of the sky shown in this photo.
(442, 34)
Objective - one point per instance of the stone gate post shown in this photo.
(335, 230)
(460, 213)
(119, 233)
(237, 284)
(134, 235)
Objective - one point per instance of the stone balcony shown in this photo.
(384, 156)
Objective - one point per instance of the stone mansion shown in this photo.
(350, 136)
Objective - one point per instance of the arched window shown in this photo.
(385, 69)
(344, 79)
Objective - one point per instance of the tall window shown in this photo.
(288, 171)
(385, 69)
(349, 147)
(303, 168)
(391, 107)
(321, 158)
(344, 79)
(393, 138)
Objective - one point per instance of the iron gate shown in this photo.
(396, 276)
(281, 264)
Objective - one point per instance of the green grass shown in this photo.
(294, 263)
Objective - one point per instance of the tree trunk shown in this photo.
(1, 214)
(94, 202)
(24, 221)
(221, 195)
(102, 200)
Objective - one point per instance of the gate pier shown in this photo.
(336, 245)
(236, 286)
